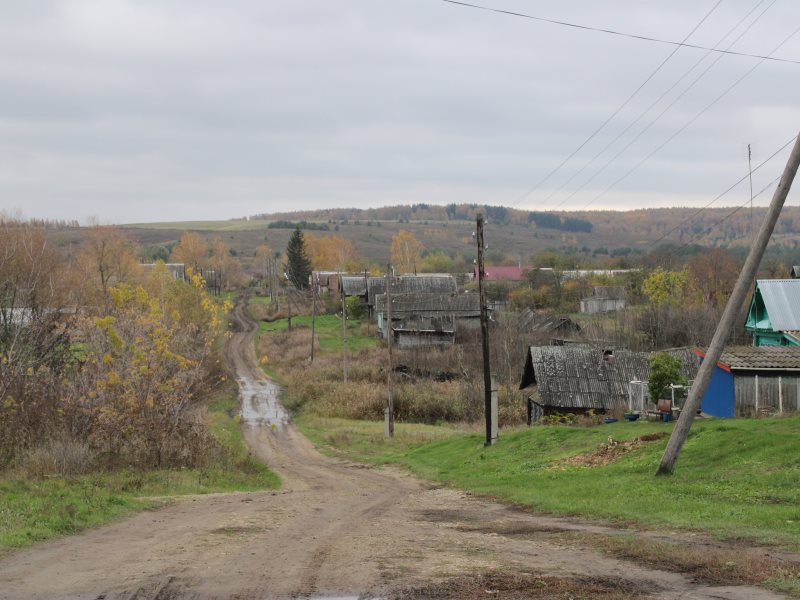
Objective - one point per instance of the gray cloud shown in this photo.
(149, 110)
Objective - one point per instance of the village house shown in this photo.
(774, 316)
(533, 321)
(428, 283)
(512, 273)
(420, 319)
(579, 378)
(604, 299)
(749, 381)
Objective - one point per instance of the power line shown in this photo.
(614, 32)
(655, 103)
(730, 214)
(688, 123)
(701, 209)
(616, 112)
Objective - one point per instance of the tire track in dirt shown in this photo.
(333, 529)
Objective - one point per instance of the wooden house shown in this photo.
(532, 321)
(578, 378)
(325, 282)
(420, 319)
(774, 316)
(749, 381)
(428, 283)
(604, 299)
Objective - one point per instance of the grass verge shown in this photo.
(33, 510)
(328, 330)
(736, 479)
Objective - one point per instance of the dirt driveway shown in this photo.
(335, 530)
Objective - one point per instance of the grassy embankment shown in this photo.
(735, 479)
(36, 509)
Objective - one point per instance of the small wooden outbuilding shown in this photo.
(604, 299)
(577, 378)
(749, 381)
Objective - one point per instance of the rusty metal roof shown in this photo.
(782, 301)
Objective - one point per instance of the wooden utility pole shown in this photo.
(739, 295)
(389, 338)
(313, 318)
(289, 305)
(344, 332)
(487, 371)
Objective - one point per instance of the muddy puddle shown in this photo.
(260, 405)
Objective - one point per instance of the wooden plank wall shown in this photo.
(766, 395)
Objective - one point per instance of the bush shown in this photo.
(58, 457)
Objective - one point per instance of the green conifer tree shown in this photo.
(298, 265)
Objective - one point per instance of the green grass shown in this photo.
(735, 478)
(365, 439)
(328, 330)
(35, 510)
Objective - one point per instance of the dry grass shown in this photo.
(514, 585)
(705, 562)
(437, 385)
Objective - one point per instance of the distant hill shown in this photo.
(511, 234)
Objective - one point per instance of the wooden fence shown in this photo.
(760, 395)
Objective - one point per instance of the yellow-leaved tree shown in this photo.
(406, 252)
(132, 397)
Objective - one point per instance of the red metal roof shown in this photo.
(511, 272)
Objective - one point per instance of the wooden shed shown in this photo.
(749, 381)
(578, 378)
(604, 299)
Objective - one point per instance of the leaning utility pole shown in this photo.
(389, 417)
(722, 332)
(487, 372)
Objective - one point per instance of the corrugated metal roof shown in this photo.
(354, 285)
(782, 301)
(533, 321)
(588, 377)
(462, 305)
(755, 358)
(509, 272)
(609, 292)
(408, 284)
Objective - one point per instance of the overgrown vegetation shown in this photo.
(56, 490)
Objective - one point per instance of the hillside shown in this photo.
(511, 234)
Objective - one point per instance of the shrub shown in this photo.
(58, 457)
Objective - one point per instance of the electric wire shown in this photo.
(687, 124)
(733, 212)
(719, 196)
(655, 103)
(614, 32)
(617, 111)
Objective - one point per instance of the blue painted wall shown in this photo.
(719, 397)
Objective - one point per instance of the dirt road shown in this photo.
(333, 530)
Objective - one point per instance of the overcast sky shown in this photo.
(147, 110)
